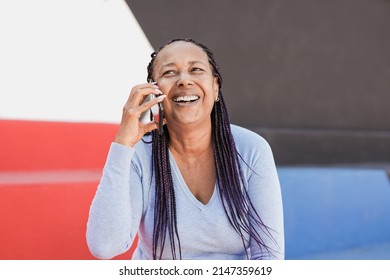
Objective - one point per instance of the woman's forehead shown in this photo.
(181, 51)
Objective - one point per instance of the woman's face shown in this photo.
(183, 72)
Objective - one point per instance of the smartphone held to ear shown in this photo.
(156, 113)
(160, 118)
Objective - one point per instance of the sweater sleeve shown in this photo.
(116, 209)
(265, 193)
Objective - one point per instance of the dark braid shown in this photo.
(235, 198)
(238, 208)
(165, 202)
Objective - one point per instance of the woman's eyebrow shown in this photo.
(168, 65)
(196, 62)
(190, 63)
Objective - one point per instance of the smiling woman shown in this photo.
(183, 72)
(201, 189)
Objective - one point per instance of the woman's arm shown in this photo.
(116, 209)
(265, 193)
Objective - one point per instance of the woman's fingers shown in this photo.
(135, 112)
(141, 99)
(132, 129)
(149, 104)
(139, 93)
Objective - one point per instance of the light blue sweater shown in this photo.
(123, 206)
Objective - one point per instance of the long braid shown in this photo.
(233, 192)
(238, 207)
(165, 202)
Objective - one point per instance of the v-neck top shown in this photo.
(123, 206)
(178, 177)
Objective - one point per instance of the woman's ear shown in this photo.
(216, 88)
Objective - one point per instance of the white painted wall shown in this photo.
(69, 60)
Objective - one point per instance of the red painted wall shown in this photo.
(49, 172)
(28, 145)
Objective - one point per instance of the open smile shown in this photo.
(186, 99)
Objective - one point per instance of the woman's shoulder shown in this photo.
(250, 144)
(244, 136)
(143, 150)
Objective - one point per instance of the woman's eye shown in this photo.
(168, 72)
(197, 69)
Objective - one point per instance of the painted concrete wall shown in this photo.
(312, 76)
(69, 60)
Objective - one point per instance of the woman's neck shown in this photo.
(191, 141)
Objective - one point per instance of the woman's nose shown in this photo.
(184, 79)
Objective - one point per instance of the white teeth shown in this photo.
(187, 98)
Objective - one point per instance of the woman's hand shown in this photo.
(131, 129)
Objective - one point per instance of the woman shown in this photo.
(202, 189)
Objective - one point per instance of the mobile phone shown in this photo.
(156, 112)
(160, 118)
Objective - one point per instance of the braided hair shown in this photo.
(241, 213)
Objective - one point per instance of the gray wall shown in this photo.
(311, 76)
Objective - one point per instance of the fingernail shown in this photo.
(161, 97)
